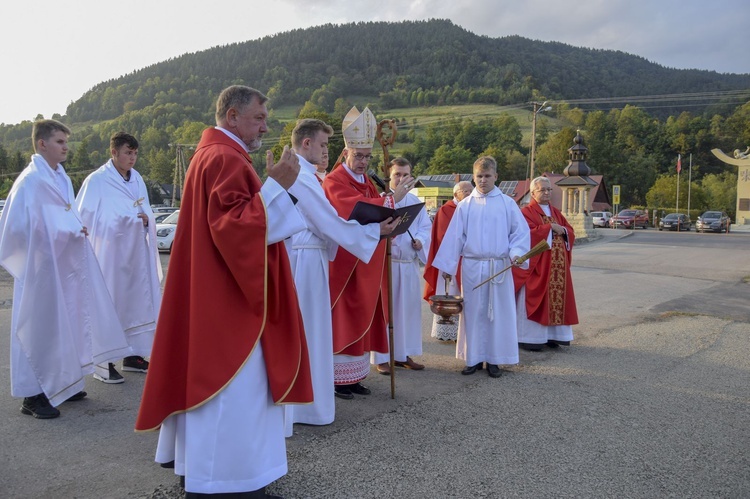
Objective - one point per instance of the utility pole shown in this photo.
(179, 170)
(538, 108)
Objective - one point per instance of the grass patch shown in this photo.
(674, 313)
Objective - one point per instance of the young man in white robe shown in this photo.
(114, 205)
(407, 251)
(63, 321)
(490, 233)
(309, 253)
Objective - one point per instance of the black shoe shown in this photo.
(531, 347)
(359, 389)
(39, 407)
(78, 396)
(135, 364)
(343, 392)
(472, 369)
(114, 377)
(494, 371)
(260, 494)
(558, 342)
(552, 344)
(168, 465)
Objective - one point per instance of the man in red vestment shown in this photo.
(359, 291)
(230, 344)
(434, 283)
(546, 305)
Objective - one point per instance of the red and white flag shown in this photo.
(679, 163)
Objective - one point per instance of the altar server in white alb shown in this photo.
(113, 203)
(490, 232)
(407, 251)
(63, 321)
(309, 253)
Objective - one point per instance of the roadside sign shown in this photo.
(616, 194)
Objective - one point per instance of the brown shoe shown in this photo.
(410, 364)
(384, 368)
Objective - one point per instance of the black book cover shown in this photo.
(366, 213)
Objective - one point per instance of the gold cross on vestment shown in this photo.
(138, 202)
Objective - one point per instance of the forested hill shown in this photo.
(435, 61)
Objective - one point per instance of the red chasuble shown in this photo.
(226, 290)
(359, 291)
(549, 287)
(439, 226)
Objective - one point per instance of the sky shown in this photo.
(52, 52)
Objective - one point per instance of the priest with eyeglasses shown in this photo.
(359, 291)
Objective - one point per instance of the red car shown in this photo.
(630, 219)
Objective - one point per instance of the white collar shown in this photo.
(356, 176)
(234, 138)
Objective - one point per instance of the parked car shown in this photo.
(675, 221)
(630, 219)
(164, 209)
(165, 232)
(159, 217)
(601, 218)
(2, 205)
(715, 221)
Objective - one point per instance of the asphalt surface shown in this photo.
(651, 400)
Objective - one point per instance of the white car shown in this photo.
(165, 232)
(601, 218)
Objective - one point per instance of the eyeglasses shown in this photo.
(363, 157)
(544, 190)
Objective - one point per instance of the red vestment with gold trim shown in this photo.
(226, 290)
(359, 291)
(550, 300)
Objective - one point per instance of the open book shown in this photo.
(366, 213)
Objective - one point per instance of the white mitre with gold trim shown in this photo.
(359, 129)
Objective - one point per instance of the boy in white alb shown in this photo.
(490, 233)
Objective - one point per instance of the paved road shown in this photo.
(652, 400)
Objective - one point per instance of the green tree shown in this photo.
(449, 159)
(4, 160)
(553, 156)
(161, 165)
(81, 159)
(189, 133)
(721, 192)
(505, 133)
(663, 194)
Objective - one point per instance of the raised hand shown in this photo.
(404, 186)
(286, 170)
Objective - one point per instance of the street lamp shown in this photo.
(538, 108)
